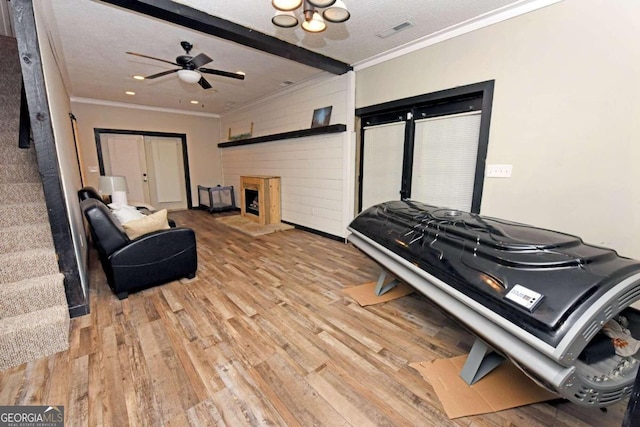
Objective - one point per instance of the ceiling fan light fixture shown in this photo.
(284, 19)
(321, 3)
(286, 5)
(315, 24)
(189, 76)
(337, 13)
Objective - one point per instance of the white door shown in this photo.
(444, 160)
(382, 156)
(124, 155)
(167, 186)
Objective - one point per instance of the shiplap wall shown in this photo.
(316, 171)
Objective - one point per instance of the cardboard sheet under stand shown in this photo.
(504, 388)
(365, 294)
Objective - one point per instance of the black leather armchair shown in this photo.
(149, 260)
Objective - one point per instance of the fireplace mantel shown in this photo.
(263, 203)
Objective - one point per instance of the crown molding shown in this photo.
(140, 107)
(482, 21)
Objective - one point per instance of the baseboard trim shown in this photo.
(79, 310)
(318, 232)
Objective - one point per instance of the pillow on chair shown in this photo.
(125, 213)
(147, 224)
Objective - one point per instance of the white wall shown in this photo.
(65, 149)
(317, 171)
(565, 113)
(202, 137)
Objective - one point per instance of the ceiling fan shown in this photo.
(190, 67)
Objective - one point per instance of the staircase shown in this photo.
(34, 317)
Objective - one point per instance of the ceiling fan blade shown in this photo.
(204, 83)
(164, 73)
(200, 60)
(222, 73)
(151, 57)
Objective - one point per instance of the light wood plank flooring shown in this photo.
(262, 336)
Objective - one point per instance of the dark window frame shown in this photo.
(473, 97)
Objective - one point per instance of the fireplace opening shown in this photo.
(252, 205)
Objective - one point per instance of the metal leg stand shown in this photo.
(381, 288)
(481, 360)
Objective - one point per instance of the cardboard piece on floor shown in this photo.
(504, 388)
(366, 295)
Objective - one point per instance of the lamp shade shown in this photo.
(315, 24)
(189, 76)
(111, 183)
(337, 12)
(322, 3)
(284, 19)
(286, 5)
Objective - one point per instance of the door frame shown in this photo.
(97, 132)
(450, 100)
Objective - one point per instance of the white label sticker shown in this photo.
(525, 297)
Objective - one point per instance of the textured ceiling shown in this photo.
(90, 39)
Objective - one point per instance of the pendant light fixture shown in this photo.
(313, 20)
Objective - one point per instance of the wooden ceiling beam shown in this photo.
(188, 17)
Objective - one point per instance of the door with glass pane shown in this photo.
(382, 159)
(445, 152)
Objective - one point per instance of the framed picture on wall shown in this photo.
(321, 117)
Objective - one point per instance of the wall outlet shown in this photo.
(499, 171)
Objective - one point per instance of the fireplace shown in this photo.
(260, 198)
(252, 201)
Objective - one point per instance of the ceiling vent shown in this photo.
(396, 29)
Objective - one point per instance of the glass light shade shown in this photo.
(111, 183)
(322, 3)
(189, 76)
(337, 13)
(315, 24)
(286, 5)
(284, 19)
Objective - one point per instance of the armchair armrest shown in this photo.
(151, 259)
(154, 247)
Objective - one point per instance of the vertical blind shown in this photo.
(444, 160)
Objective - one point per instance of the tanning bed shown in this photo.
(538, 297)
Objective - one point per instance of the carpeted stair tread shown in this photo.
(33, 335)
(23, 192)
(32, 294)
(24, 237)
(17, 266)
(11, 154)
(23, 214)
(16, 172)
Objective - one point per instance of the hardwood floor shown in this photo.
(262, 336)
